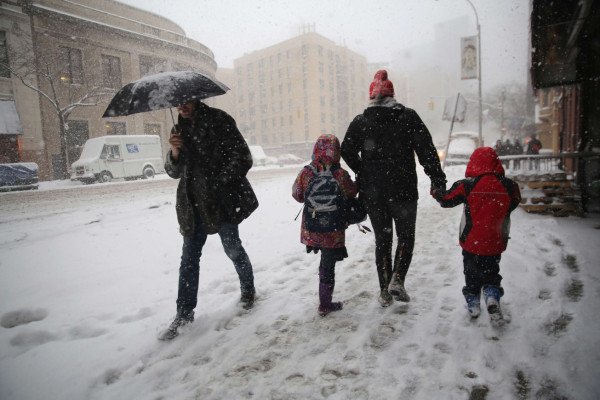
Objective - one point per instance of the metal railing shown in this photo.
(547, 164)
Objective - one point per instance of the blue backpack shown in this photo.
(323, 203)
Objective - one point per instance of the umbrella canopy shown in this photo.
(164, 90)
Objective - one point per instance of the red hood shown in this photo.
(484, 160)
(327, 150)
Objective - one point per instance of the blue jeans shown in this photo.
(189, 270)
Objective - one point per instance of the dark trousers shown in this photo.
(327, 266)
(480, 272)
(189, 270)
(384, 216)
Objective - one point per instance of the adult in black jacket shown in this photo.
(211, 158)
(380, 146)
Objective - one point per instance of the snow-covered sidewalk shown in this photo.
(84, 295)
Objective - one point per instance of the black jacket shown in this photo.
(212, 166)
(380, 147)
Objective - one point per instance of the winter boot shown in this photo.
(180, 320)
(247, 299)
(397, 290)
(473, 305)
(492, 295)
(385, 298)
(325, 295)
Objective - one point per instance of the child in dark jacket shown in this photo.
(326, 156)
(489, 198)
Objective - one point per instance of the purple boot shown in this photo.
(325, 295)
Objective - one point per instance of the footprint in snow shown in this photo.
(22, 317)
(32, 339)
(141, 314)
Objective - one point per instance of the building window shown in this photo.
(265, 139)
(116, 128)
(152, 65)
(71, 65)
(152, 129)
(4, 72)
(111, 72)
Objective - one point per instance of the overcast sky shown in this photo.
(375, 29)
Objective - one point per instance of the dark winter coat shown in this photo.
(534, 146)
(212, 166)
(489, 198)
(380, 146)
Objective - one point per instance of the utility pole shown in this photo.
(502, 99)
(478, 72)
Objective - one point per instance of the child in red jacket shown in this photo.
(326, 156)
(489, 198)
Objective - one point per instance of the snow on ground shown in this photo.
(85, 294)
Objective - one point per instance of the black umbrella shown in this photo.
(164, 90)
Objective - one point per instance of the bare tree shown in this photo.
(44, 72)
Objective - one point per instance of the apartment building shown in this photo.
(288, 94)
(87, 45)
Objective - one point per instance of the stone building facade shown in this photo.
(288, 94)
(100, 44)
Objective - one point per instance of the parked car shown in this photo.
(118, 156)
(18, 176)
(287, 159)
(462, 145)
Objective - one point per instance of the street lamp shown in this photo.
(478, 71)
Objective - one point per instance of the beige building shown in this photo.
(288, 94)
(89, 47)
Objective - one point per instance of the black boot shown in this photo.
(247, 299)
(180, 320)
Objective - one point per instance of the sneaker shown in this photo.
(385, 298)
(247, 299)
(334, 306)
(397, 289)
(180, 320)
(473, 305)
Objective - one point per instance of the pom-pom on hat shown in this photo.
(381, 86)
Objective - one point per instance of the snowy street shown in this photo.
(88, 278)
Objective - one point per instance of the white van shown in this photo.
(259, 158)
(118, 156)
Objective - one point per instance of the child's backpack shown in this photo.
(324, 203)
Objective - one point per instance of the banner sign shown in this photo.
(469, 57)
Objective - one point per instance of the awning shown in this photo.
(10, 124)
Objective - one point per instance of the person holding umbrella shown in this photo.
(211, 158)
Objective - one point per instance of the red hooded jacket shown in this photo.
(489, 198)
